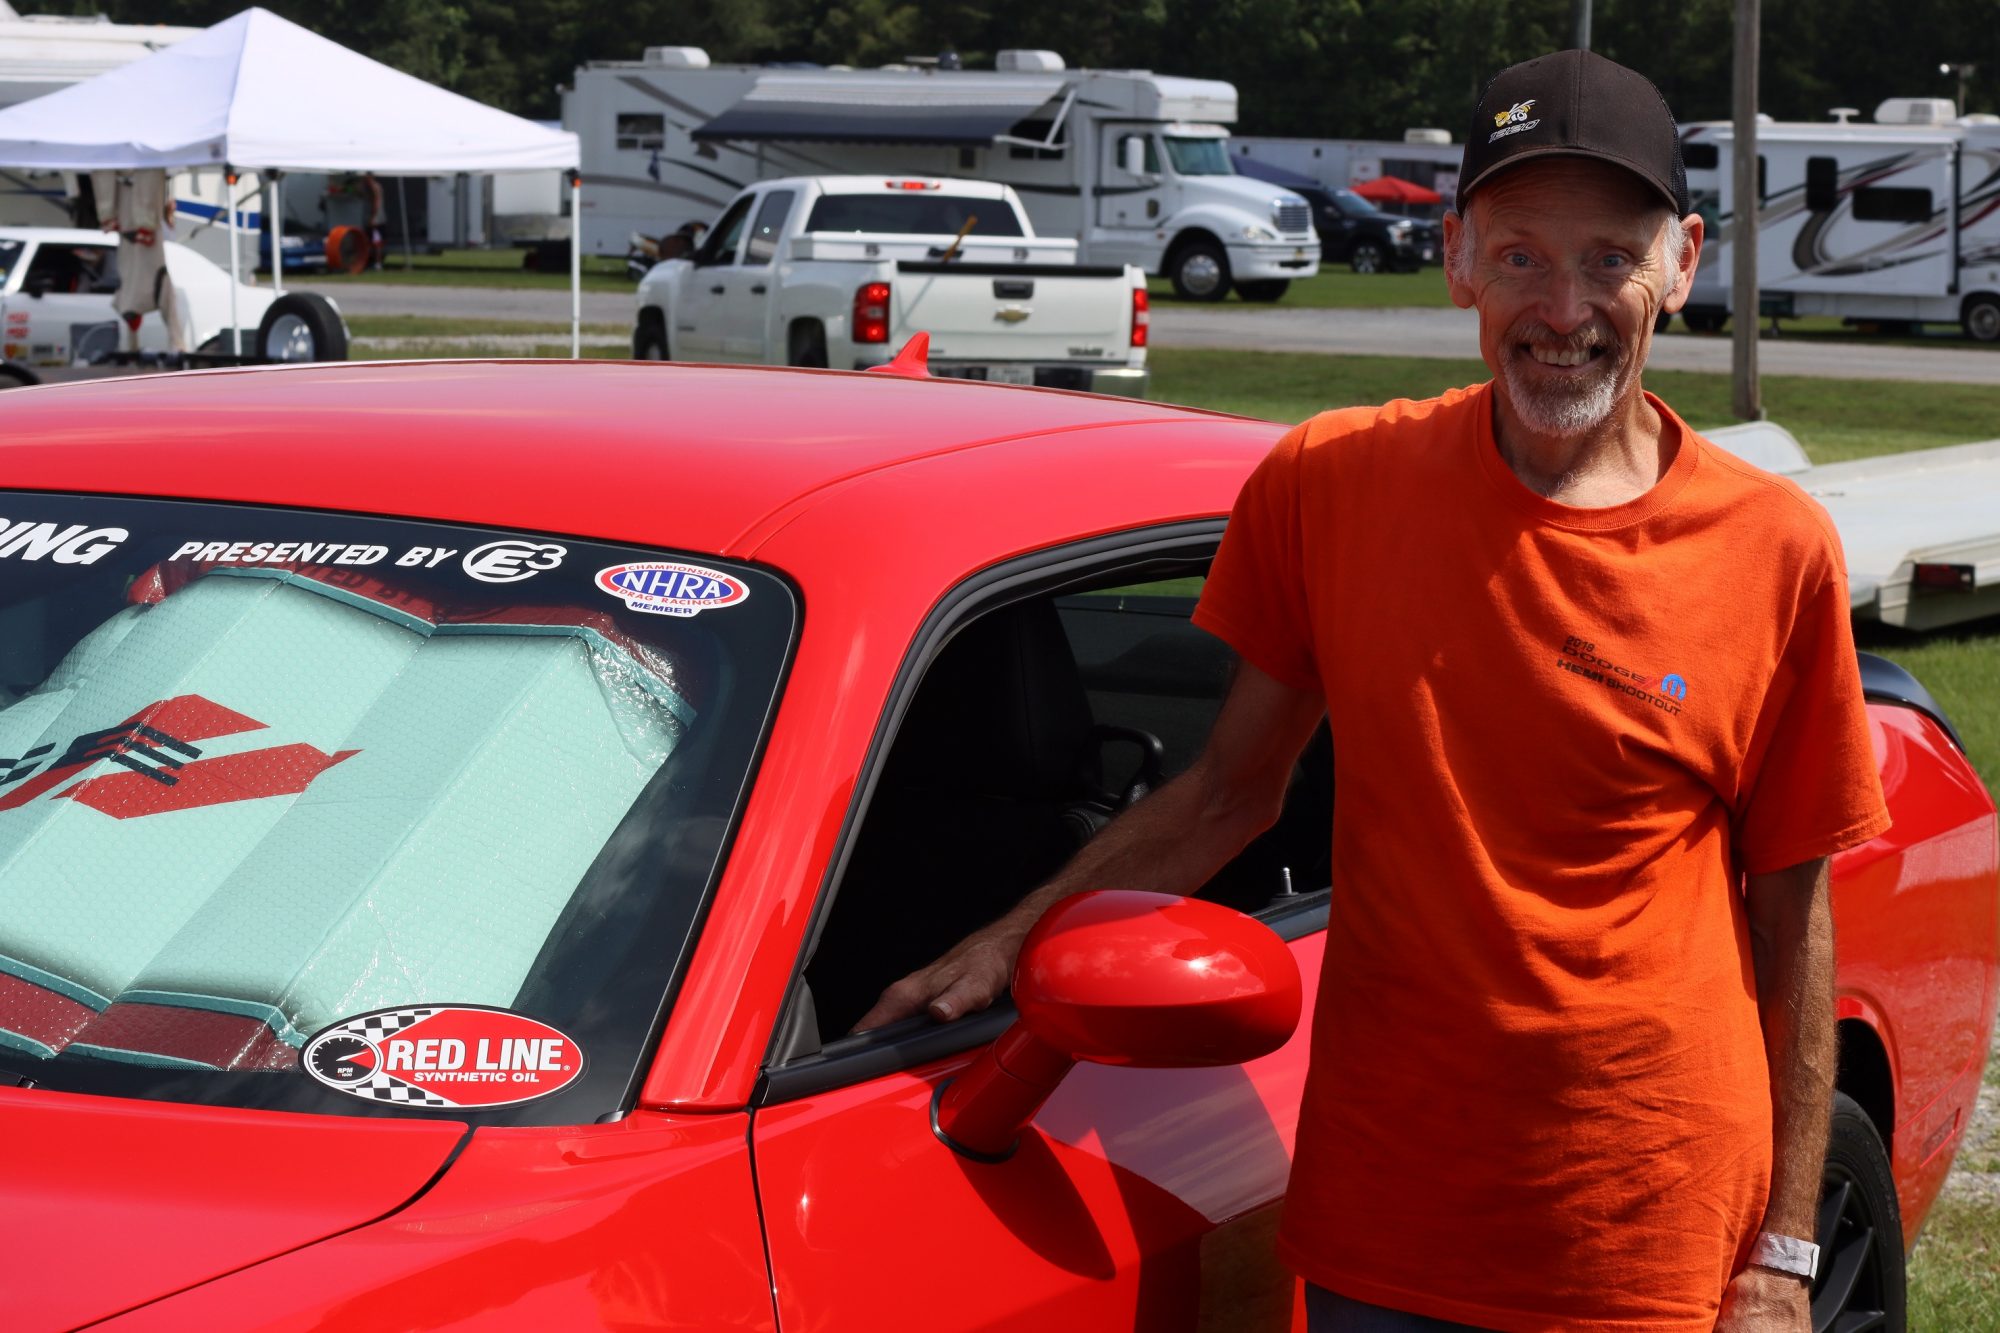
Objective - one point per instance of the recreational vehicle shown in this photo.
(1894, 222)
(1135, 166)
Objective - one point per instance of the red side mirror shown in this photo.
(1123, 978)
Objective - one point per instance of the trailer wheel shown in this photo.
(1982, 318)
(1263, 289)
(1200, 271)
(649, 336)
(300, 326)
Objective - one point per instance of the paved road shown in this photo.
(1411, 332)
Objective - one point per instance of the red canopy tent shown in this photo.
(1396, 190)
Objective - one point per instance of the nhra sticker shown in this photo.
(665, 588)
(444, 1057)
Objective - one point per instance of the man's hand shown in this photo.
(969, 978)
(1758, 1300)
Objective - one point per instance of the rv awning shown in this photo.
(893, 108)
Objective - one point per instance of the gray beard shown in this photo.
(1561, 412)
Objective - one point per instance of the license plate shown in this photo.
(1428, 254)
(1011, 374)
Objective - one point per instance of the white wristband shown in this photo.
(1786, 1254)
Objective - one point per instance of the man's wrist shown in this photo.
(1786, 1255)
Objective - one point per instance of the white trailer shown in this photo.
(1897, 221)
(1133, 165)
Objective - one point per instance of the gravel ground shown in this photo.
(1982, 1141)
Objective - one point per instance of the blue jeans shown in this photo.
(1331, 1312)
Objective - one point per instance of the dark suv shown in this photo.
(1370, 240)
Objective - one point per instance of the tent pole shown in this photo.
(274, 207)
(575, 265)
(235, 268)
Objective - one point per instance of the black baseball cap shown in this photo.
(1575, 104)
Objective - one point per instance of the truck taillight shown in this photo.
(1142, 317)
(871, 312)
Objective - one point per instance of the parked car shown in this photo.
(453, 814)
(1357, 233)
(841, 270)
(57, 285)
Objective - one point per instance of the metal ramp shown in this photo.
(1921, 529)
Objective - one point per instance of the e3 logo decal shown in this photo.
(512, 561)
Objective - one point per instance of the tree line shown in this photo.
(1313, 68)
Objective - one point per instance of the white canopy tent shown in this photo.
(256, 91)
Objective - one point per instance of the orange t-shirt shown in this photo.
(1538, 1097)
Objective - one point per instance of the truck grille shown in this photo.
(1294, 217)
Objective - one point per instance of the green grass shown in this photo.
(1955, 1272)
(479, 268)
(1338, 287)
(425, 326)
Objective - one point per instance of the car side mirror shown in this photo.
(1120, 977)
(1132, 156)
(37, 287)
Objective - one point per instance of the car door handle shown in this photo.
(715, 290)
(758, 290)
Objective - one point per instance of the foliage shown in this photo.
(1316, 68)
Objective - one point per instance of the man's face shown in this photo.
(1568, 276)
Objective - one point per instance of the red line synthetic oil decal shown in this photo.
(443, 1057)
(668, 588)
(165, 769)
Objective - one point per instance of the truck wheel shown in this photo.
(1366, 258)
(1982, 318)
(300, 326)
(1860, 1233)
(16, 377)
(1263, 289)
(1200, 271)
(649, 337)
(805, 345)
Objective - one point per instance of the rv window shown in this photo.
(763, 247)
(641, 131)
(1037, 130)
(1700, 156)
(1822, 184)
(1891, 203)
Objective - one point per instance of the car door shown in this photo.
(1129, 208)
(1136, 1198)
(64, 303)
(710, 288)
(748, 335)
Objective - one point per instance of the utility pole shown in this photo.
(1579, 24)
(1744, 306)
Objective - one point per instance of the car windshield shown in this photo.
(10, 256)
(1350, 202)
(269, 774)
(1199, 157)
(913, 213)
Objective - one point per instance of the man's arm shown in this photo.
(1791, 951)
(1170, 842)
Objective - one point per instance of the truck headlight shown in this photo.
(1253, 232)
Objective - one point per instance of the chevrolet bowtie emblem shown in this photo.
(1011, 314)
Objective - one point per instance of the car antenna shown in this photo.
(913, 362)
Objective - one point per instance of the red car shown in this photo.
(451, 816)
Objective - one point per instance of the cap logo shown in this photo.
(1514, 115)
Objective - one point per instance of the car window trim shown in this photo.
(794, 1063)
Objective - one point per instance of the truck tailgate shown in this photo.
(1014, 312)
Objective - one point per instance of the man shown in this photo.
(1597, 727)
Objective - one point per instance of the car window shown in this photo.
(1199, 157)
(10, 257)
(1354, 205)
(266, 773)
(720, 247)
(79, 269)
(1032, 728)
(762, 247)
(912, 213)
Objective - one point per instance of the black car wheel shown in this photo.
(1263, 289)
(1200, 272)
(1367, 258)
(1860, 1287)
(649, 336)
(300, 326)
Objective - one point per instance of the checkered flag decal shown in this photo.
(379, 1086)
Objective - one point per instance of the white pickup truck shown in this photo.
(840, 270)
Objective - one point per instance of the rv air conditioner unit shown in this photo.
(1915, 111)
(1427, 136)
(677, 57)
(1028, 62)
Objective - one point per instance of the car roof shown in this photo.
(688, 456)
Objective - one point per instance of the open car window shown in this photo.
(270, 774)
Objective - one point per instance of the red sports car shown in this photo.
(452, 815)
